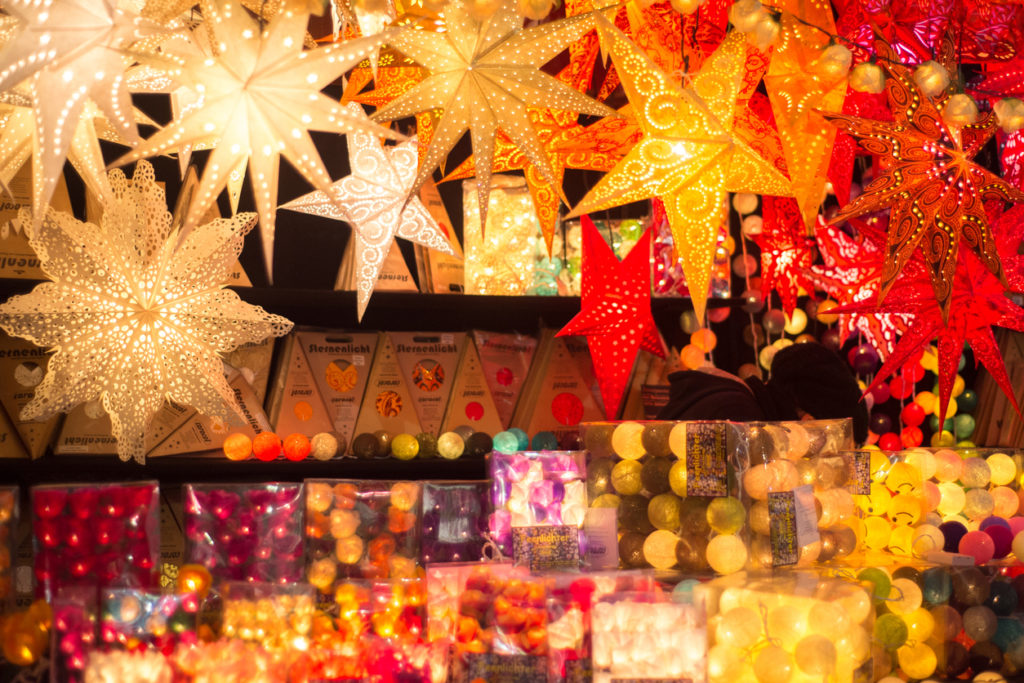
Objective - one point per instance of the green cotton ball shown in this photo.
(574, 265)
(891, 631)
(963, 426)
(880, 582)
(631, 229)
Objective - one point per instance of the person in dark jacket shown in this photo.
(808, 381)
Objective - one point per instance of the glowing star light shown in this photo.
(688, 156)
(615, 314)
(132, 320)
(484, 75)
(935, 192)
(376, 201)
(259, 98)
(72, 54)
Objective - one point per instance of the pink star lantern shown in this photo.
(615, 314)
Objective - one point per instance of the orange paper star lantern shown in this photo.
(688, 156)
(615, 316)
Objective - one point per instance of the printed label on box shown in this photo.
(654, 397)
(495, 668)
(705, 460)
(601, 527)
(793, 523)
(860, 474)
(544, 548)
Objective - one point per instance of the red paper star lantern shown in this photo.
(615, 314)
(849, 274)
(978, 302)
(786, 251)
(935, 193)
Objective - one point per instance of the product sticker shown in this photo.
(545, 548)
(654, 397)
(793, 524)
(705, 460)
(860, 474)
(601, 528)
(495, 668)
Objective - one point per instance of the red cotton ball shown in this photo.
(890, 441)
(266, 446)
(911, 437)
(912, 414)
(296, 447)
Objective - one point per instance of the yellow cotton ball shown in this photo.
(917, 660)
(926, 400)
(857, 604)
(926, 538)
(976, 473)
(930, 496)
(726, 554)
(932, 78)
(834, 61)
(978, 504)
(901, 540)
(903, 478)
(854, 646)
(1003, 469)
(626, 441)
(686, 6)
(878, 532)
(876, 502)
(960, 110)
(773, 665)
(788, 624)
(904, 596)
(724, 663)
(1009, 113)
(923, 460)
(904, 509)
(829, 619)
(920, 624)
(815, 655)
(1005, 501)
(953, 498)
(958, 386)
(739, 627)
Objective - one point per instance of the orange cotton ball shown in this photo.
(296, 447)
(237, 446)
(704, 339)
(692, 357)
(266, 446)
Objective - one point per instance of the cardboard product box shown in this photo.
(17, 258)
(10, 443)
(340, 364)
(295, 404)
(253, 361)
(387, 403)
(471, 402)
(428, 362)
(557, 396)
(439, 273)
(394, 275)
(506, 359)
(578, 349)
(22, 368)
(86, 431)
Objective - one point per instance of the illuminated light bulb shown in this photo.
(834, 62)
(1009, 113)
(932, 78)
(960, 110)
(867, 77)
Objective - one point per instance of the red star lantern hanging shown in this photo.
(849, 274)
(935, 192)
(615, 314)
(786, 251)
(977, 303)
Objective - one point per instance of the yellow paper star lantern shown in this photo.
(803, 83)
(258, 99)
(688, 155)
(376, 201)
(484, 75)
(133, 320)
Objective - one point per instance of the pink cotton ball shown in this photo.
(1016, 524)
(979, 545)
(1002, 539)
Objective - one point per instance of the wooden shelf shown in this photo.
(214, 467)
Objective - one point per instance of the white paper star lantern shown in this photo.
(71, 53)
(258, 98)
(134, 321)
(484, 75)
(377, 200)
